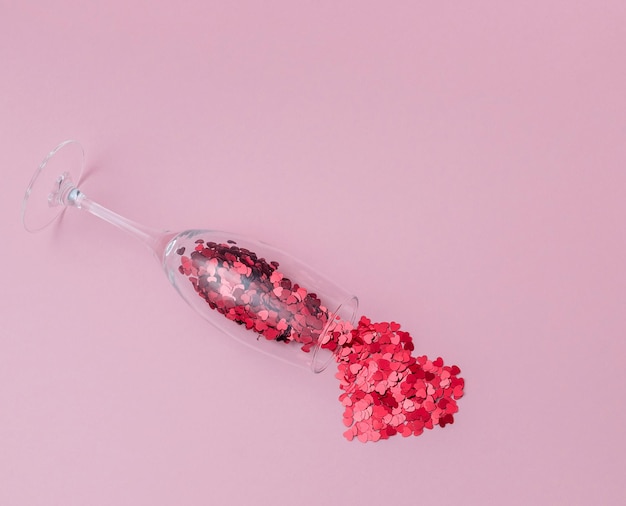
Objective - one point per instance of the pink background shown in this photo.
(461, 166)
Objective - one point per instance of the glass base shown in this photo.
(44, 201)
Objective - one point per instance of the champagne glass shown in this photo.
(248, 289)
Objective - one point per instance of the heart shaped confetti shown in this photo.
(404, 395)
(386, 390)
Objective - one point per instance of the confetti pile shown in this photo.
(386, 390)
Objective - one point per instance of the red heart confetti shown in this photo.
(386, 391)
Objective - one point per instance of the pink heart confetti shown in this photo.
(400, 402)
(386, 390)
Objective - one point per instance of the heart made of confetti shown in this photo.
(386, 390)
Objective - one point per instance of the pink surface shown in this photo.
(461, 167)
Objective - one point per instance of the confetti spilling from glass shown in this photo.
(386, 390)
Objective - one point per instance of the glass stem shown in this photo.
(156, 240)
